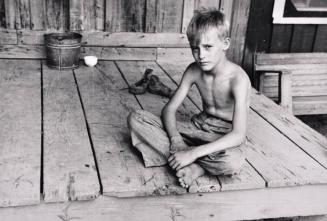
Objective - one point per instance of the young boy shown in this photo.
(212, 143)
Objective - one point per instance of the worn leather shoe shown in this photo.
(141, 86)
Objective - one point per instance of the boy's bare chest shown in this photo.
(215, 92)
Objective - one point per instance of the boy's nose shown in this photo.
(201, 54)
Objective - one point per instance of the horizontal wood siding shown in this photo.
(264, 36)
(116, 23)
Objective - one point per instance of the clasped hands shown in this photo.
(181, 154)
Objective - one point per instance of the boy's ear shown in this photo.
(226, 43)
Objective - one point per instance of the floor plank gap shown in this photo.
(88, 133)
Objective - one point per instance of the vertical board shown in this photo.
(57, 14)
(188, 10)
(76, 15)
(37, 14)
(238, 30)
(133, 15)
(17, 15)
(69, 167)
(20, 132)
(151, 16)
(99, 14)
(25, 17)
(258, 31)
(88, 12)
(303, 38)
(113, 15)
(320, 44)
(281, 38)
(227, 7)
(206, 4)
(169, 15)
(10, 13)
(2, 14)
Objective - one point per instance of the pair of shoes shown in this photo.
(141, 86)
(151, 83)
(157, 87)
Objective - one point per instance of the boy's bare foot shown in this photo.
(188, 174)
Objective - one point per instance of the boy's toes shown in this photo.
(180, 173)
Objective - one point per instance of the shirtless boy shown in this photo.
(212, 144)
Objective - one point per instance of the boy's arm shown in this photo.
(234, 138)
(168, 113)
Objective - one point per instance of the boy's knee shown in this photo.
(222, 165)
(134, 117)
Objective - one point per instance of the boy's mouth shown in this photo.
(203, 63)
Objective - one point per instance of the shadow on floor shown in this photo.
(317, 122)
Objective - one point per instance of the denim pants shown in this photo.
(150, 139)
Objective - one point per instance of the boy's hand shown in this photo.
(181, 159)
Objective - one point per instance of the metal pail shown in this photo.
(62, 50)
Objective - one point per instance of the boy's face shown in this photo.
(208, 49)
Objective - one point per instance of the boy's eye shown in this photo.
(207, 46)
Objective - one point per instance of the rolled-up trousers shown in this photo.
(150, 139)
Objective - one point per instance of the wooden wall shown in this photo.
(264, 36)
(114, 23)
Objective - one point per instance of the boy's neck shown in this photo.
(220, 67)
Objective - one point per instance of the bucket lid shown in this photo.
(63, 38)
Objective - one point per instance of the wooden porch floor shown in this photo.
(63, 138)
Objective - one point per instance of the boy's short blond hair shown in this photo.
(205, 19)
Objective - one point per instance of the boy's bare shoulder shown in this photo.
(193, 69)
(239, 76)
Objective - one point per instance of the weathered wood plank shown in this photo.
(238, 30)
(122, 39)
(17, 15)
(227, 7)
(121, 169)
(2, 15)
(20, 132)
(99, 14)
(103, 53)
(10, 13)
(76, 10)
(69, 167)
(133, 15)
(174, 54)
(25, 16)
(228, 205)
(8, 37)
(303, 38)
(206, 4)
(258, 32)
(295, 59)
(169, 16)
(305, 137)
(151, 16)
(37, 14)
(109, 53)
(188, 10)
(57, 14)
(88, 15)
(281, 38)
(113, 15)
(310, 106)
(320, 43)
